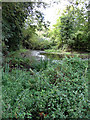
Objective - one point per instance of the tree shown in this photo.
(71, 28)
(14, 15)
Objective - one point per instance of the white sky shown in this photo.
(51, 14)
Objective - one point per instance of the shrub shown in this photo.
(20, 59)
(59, 91)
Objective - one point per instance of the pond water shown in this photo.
(37, 54)
(44, 55)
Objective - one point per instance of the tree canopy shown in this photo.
(71, 28)
(22, 20)
(14, 16)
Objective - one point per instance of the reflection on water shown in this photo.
(43, 55)
(60, 56)
(52, 56)
(37, 55)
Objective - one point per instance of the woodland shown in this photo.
(45, 89)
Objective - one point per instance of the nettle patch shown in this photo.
(58, 91)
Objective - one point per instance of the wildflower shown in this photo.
(41, 114)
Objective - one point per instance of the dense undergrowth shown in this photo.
(47, 90)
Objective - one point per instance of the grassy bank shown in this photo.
(67, 53)
(45, 90)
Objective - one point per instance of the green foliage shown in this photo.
(58, 91)
(72, 28)
(44, 44)
(41, 65)
(31, 39)
(14, 16)
(19, 59)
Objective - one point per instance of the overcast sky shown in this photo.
(51, 14)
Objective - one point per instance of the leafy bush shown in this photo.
(58, 91)
(40, 65)
(21, 59)
(18, 61)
